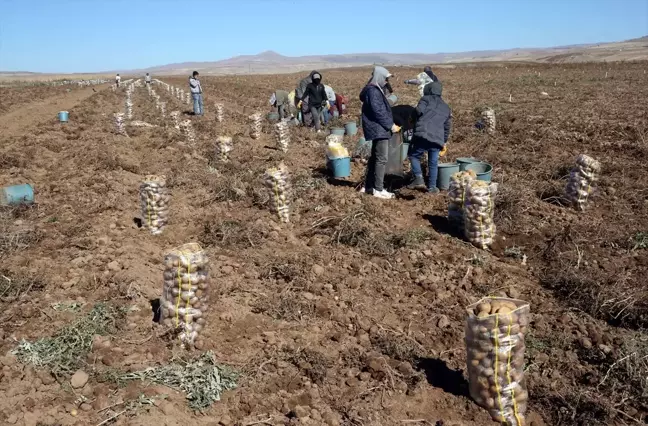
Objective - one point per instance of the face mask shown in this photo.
(316, 81)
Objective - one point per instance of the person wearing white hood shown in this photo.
(378, 127)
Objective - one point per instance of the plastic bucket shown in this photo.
(351, 128)
(392, 99)
(17, 194)
(483, 170)
(445, 170)
(63, 116)
(339, 167)
(336, 114)
(273, 116)
(405, 150)
(464, 161)
(338, 131)
(395, 156)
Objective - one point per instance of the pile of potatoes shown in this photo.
(581, 180)
(184, 296)
(495, 330)
(488, 119)
(282, 135)
(257, 125)
(223, 148)
(478, 213)
(457, 196)
(154, 202)
(276, 180)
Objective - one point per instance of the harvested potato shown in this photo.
(154, 202)
(457, 196)
(276, 180)
(581, 180)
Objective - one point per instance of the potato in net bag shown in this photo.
(276, 180)
(223, 148)
(185, 293)
(457, 196)
(282, 135)
(581, 179)
(478, 213)
(256, 126)
(154, 203)
(495, 330)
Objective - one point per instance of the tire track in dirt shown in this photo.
(36, 112)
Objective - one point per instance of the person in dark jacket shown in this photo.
(431, 133)
(304, 108)
(378, 126)
(317, 99)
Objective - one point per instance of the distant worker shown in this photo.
(304, 108)
(317, 100)
(378, 126)
(147, 79)
(330, 95)
(423, 79)
(433, 124)
(196, 93)
(117, 80)
(280, 99)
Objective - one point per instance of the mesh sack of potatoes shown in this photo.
(488, 118)
(457, 196)
(282, 135)
(495, 330)
(184, 296)
(175, 119)
(223, 148)
(220, 112)
(276, 180)
(187, 128)
(154, 202)
(119, 123)
(581, 179)
(479, 205)
(256, 126)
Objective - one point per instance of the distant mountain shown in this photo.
(270, 62)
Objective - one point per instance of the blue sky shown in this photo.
(98, 35)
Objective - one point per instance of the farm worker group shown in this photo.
(432, 118)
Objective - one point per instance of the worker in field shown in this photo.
(378, 126)
(117, 80)
(280, 99)
(315, 94)
(431, 132)
(330, 96)
(147, 79)
(306, 117)
(423, 79)
(196, 93)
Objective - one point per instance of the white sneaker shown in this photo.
(362, 190)
(384, 194)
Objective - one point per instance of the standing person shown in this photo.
(196, 93)
(430, 135)
(317, 99)
(306, 118)
(117, 80)
(423, 79)
(330, 95)
(378, 126)
(147, 79)
(281, 100)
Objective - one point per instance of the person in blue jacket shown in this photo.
(431, 133)
(378, 126)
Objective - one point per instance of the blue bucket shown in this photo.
(392, 99)
(338, 131)
(483, 170)
(351, 128)
(273, 116)
(405, 151)
(16, 195)
(444, 171)
(63, 116)
(339, 167)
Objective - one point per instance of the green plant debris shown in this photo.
(64, 352)
(515, 252)
(639, 241)
(201, 379)
(67, 306)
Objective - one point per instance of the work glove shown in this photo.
(299, 104)
(444, 151)
(328, 105)
(395, 129)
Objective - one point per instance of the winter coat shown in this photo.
(434, 117)
(377, 119)
(282, 97)
(194, 85)
(316, 94)
(301, 88)
(330, 93)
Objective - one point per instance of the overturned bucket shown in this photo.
(445, 170)
(17, 194)
(63, 116)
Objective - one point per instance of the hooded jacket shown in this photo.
(377, 119)
(301, 87)
(194, 85)
(315, 93)
(434, 117)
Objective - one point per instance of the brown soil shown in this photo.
(353, 314)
